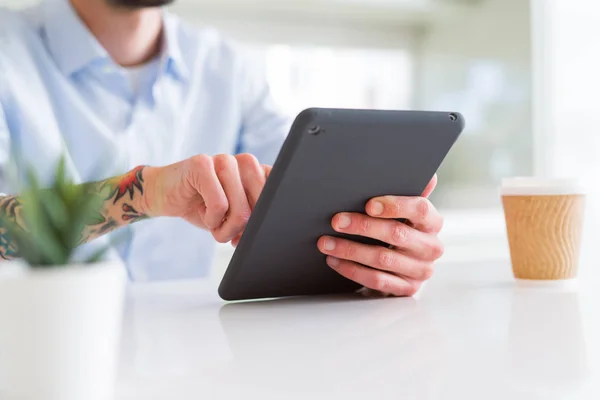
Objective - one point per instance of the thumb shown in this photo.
(431, 186)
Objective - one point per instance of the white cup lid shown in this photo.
(532, 186)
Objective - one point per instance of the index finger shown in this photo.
(204, 179)
(267, 170)
(418, 210)
(253, 177)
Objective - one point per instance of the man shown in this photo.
(120, 84)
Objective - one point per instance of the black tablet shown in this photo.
(334, 160)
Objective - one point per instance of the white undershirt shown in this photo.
(141, 75)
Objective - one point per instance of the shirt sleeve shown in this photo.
(264, 125)
(4, 151)
(6, 157)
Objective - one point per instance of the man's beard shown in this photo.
(133, 4)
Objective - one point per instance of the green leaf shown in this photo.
(86, 214)
(57, 214)
(94, 218)
(54, 219)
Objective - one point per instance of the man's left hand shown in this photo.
(400, 269)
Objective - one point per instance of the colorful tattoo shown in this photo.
(97, 228)
(110, 225)
(109, 216)
(131, 214)
(127, 183)
(9, 218)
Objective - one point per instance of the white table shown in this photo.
(471, 333)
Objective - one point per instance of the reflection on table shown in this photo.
(472, 333)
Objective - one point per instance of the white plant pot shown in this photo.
(60, 331)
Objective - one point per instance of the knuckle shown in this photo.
(411, 290)
(386, 259)
(241, 219)
(381, 283)
(224, 161)
(201, 161)
(397, 207)
(427, 272)
(249, 166)
(423, 208)
(220, 238)
(248, 160)
(349, 251)
(364, 226)
(220, 207)
(352, 273)
(400, 234)
(437, 250)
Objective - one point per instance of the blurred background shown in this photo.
(472, 56)
(524, 74)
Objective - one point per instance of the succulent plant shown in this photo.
(51, 220)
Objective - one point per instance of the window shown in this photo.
(494, 95)
(466, 61)
(318, 76)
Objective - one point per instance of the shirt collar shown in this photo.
(74, 47)
(71, 44)
(174, 62)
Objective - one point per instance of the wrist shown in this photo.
(151, 201)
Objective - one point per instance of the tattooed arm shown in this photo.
(123, 198)
(10, 208)
(213, 193)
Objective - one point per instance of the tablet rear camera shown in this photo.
(315, 130)
(453, 117)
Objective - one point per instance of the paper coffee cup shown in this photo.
(544, 223)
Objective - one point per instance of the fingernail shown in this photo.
(329, 245)
(377, 208)
(344, 221)
(333, 262)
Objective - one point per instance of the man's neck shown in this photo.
(131, 37)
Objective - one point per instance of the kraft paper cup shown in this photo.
(544, 224)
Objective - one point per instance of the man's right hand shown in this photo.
(214, 193)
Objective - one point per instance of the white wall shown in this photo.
(567, 67)
(566, 98)
(300, 22)
(567, 61)
(18, 3)
(493, 28)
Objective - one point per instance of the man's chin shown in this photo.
(139, 3)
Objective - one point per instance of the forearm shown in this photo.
(124, 202)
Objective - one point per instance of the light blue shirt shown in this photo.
(60, 93)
